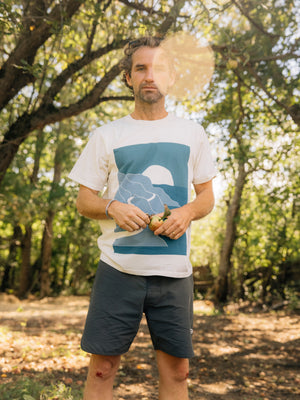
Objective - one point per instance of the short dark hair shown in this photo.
(131, 48)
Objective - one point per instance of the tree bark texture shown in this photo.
(7, 281)
(221, 286)
(46, 254)
(25, 271)
(46, 251)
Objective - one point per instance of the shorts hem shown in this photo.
(102, 353)
(187, 355)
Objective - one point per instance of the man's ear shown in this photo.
(128, 79)
(172, 78)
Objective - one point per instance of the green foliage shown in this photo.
(207, 235)
(23, 389)
(24, 202)
(38, 389)
(246, 110)
(254, 85)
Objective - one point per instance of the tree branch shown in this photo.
(240, 120)
(223, 49)
(253, 22)
(226, 51)
(262, 86)
(171, 17)
(48, 114)
(140, 7)
(94, 25)
(260, 98)
(13, 75)
(278, 57)
(76, 66)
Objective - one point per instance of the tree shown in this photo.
(71, 84)
(36, 59)
(253, 94)
(46, 244)
(26, 242)
(60, 60)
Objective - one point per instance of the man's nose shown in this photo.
(149, 75)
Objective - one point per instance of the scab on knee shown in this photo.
(181, 375)
(106, 370)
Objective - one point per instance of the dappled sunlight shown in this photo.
(237, 355)
(46, 351)
(221, 388)
(220, 350)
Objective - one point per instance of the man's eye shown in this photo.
(160, 69)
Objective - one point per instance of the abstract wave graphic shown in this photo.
(145, 191)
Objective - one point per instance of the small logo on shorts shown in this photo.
(191, 331)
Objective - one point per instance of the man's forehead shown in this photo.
(145, 55)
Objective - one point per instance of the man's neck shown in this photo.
(149, 112)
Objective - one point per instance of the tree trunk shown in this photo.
(46, 250)
(65, 268)
(7, 282)
(25, 272)
(79, 273)
(26, 268)
(46, 255)
(221, 285)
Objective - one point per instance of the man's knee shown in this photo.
(176, 369)
(104, 367)
(180, 373)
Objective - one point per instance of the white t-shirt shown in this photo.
(148, 164)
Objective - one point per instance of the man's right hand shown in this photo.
(128, 216)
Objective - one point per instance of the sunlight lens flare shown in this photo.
(193, 61)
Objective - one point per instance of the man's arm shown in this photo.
(180, 218)
(127, 216)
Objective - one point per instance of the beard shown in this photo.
(149, 96)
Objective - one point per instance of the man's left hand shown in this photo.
(176, 224)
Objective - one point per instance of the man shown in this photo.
(143, 161)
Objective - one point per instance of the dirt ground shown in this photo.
(240, 355)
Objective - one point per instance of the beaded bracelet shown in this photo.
(106, 208)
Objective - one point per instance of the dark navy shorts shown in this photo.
(118, 301)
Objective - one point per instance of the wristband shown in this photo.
(106, 208)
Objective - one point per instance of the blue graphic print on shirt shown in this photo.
(151, 175)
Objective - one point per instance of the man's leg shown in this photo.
(173, 375)
(101, 375)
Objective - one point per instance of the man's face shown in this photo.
(150, 75)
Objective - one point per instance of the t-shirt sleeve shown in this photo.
(204, 168)
(91, 168)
